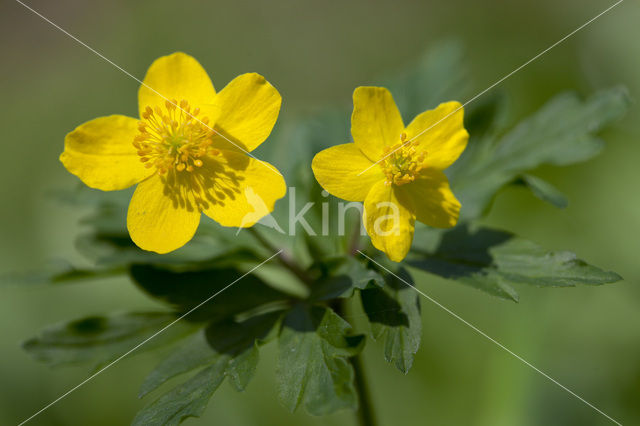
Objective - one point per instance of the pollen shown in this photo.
(173, 138)
(402, 162)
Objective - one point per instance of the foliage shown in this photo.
(304, 311)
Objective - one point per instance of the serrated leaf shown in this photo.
(523, 261)
(313, 370)
(560, 133)
(493, 260)
(544, 190)
(230, 342)
(340, 276)
(186, 400)
(238, 342)
(192, 353)
(394, 314)
(186, 289)
(100, 339)
(241, 368)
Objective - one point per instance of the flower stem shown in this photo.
(284, 258)
(365, 413)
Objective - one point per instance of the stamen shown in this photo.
(402, 162)
(172, 140)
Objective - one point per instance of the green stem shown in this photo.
(365, 413)
(284, 258)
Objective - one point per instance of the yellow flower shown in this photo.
(187, 153)
(396, 171)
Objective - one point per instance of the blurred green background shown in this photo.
(315, 53)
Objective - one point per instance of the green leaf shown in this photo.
(83, 196)
(192, 353)
(234, 344)
(439, 75)
(57, 272)
(241, 368)
(313, 369)
(340, 276)
(226, 349)
(239, 341)
(186, 289)
(186, 400)
(544, 190)
(394, 314)
(493, 260)
(560, 133)
(113, 250)
(100, 339)
(108, 244)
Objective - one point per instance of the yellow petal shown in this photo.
(158, 220)
(249, 108)
(389, 220)
(177, 76)
(101, 153)
(441, 133)
(337, 168)
(240, 190)
(376, 122)
(433, 202)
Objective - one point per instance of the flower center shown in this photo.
(173, 138)
(402, 162)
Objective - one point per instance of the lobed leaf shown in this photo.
(187, 289)
(313, 369)
(100, 339)
(186, 400)
(226, 349)
(341, 276)
(229, 341)
(56, 272)
(560, 133)
(394, 314)
(493, 260)
(544, 190)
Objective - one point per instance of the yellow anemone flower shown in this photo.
(187, 153)
(396, 171)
